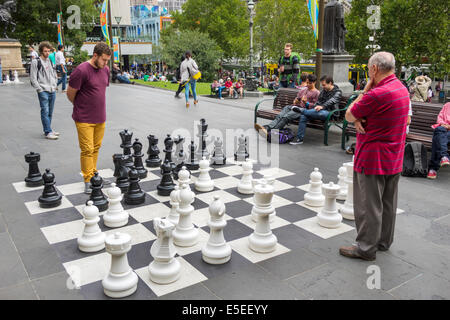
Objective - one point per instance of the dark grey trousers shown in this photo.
(283, 118)
(375, 208)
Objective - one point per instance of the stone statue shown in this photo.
(334, 29)
(5, 16)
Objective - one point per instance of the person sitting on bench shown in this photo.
(441, 138)
(328, 101)
(306, 97)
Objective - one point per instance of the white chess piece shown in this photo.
(270, 182)
(121, 280)
(347, 209)
(16, 78)
(164, 268)
(173, 216)
(204, 183)
(185, 233)
(7, 81)
(314, 196)
(262, 239)
(92, 238)
(116, 216)
(245, 186)
(329, 217)
(184, 176)
(216, 250)
(342, 183)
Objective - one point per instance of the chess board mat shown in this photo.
(294, 222)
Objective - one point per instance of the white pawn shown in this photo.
(116, 216)
(184, 177)
(164, 268)
(341, 182)
(270, 181)
(245, 186)
(7, 81)
(174, 216)
(121, 280)
(204, 182)
(185, 233)
(216, 250)
(347, 209)
(92, 238)
(16, 78)
(329, 217)
(262, 239)
(314, 197)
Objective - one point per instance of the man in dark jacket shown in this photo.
(178, 75)
(328, 101)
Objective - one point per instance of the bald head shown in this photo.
(385, 61)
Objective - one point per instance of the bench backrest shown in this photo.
(424, 116)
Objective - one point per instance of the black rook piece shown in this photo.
(153, 159)
(166, 186)
(137, 155)
(202, 152)
(50, 198)
(34, 177)
(97, 196)
(134, 194)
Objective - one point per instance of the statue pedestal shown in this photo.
(11, 56)
(337, 66)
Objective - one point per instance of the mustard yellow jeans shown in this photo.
(90, 136)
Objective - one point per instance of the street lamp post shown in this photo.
(118, 19)
(249, 83)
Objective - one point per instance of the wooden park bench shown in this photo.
(286, 96)
(424, 116)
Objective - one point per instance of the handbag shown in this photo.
(196, 76)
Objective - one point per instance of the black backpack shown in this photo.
(415, 160)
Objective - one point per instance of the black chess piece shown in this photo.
(218, 157)
(202, 135)
(97, 196)
(116, 160)
(126, 145)
(181, 157)
(193, 164)
(246, 147)
(137, 155)
(178, 146)
(50, 198)
(168, 145)
(134, 194)
(153, 159)
(166, 186)
(123, 181)
(34, 177)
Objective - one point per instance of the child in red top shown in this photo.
(240, 88)
(229, 85)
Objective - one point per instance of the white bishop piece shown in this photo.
(115, 216)
(262, 239)
(342, 183)
(314, 196)
(164, 268)
(245, 186)
(121, 280)
(270, 181)
(347, 209)
(329, 217)
(204, 182)
(185, 233)
(92, 238)
(216, 250)
(173, 216)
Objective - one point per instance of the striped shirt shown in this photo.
(380, 150)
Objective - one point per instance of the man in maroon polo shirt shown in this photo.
(380, 116)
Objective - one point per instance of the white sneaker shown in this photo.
(55, 133)
(51, 136)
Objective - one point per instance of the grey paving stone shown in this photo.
(23, 291)
(431, 288)
(2, 224)
(195, 292)
(54, 287)
(12, 271)
(41, 261)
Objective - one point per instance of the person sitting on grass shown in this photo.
(239, 85)
(229, 86)
(123, 78)
(441, 138)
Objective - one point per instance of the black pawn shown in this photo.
(122, 181)
(193, 164)
(34, 177)
(97, 196)
(126, 145)
(168, 145)
(153, 159)
(50, 198)
(137, 155)
(134, 194)
(166, 186)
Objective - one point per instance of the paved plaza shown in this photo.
(416, 267)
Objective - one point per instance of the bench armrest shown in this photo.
(349, 102)
(259, 103)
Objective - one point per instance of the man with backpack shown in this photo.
(289, 67)
(43, 78)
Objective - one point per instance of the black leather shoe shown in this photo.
(352, 252)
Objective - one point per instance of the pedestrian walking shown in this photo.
(61, 67)
(189, 71)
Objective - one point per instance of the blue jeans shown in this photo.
(63, 78)
(193, 83)
(441, 137)
(220, 91)
(123, 79)
(307, 115)
(47, 102)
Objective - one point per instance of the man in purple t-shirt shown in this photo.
(87, 92)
